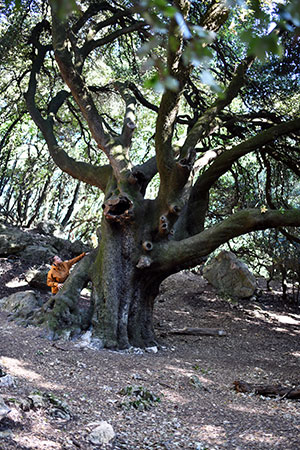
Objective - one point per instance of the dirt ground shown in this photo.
(193, 377)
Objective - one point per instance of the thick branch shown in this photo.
(215, 16)
(224, 162)
(129, 119)
(198, 201)
(168, 110)
(75, 82)
(145, 172)
(57, 101)
(91, 11)
(92, 44)
(97, 176)
(180, 172)
(188, 252)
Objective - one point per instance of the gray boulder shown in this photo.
(38, 253)
(7, 381)
(38, 245)
(12, 240)
(47, 227)
(77, 247)
(21, 304)
(102, 434)
(37, 277)
(230, 275)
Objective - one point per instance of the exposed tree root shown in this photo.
(61, 315)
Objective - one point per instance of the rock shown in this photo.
(77, 247)
(230, 275)
(39, 244)
(4, 409)
(6, 434)
(56, 408)
(102, 434)
(47, 227)
(37, 277)
(153, 349)
(7, 381)
(12, 240)
(87, 340)
(21, 304)
(195, 381)
(38, 253)
(37, 401)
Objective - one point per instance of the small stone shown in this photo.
(5, 434)
(37, 401)
(4, 409)
(102, 434)
(153, 349)
(136, 376)
(7, 381)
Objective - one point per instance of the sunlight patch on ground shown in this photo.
(15, 282)
(174, 397)
(285, 330)
(214, 433)
(36, 443)
(181, 311)
(17, 369)
(268, 412)
(261, 437)
(187, 373)
(284, 319)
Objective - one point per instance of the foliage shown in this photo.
(185, 115)
(138, 397)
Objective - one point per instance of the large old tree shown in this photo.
(144, 240)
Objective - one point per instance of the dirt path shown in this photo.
(261, 346)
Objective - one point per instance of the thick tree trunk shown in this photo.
(123, 295)
(121, 308)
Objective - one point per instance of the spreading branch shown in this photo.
(187, 252)
(198, 201)
(74, 80)
(90, 45)
(224, 162)
(206, 123)
(96, 176)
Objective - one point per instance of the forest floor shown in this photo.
(192, 376)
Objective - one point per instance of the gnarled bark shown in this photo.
(144, 241)
(61, 315)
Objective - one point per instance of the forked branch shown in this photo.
(96, 176)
